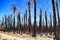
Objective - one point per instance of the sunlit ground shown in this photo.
(11, 36)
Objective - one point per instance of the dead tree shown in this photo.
(29, 18)
(43, 27)
(11, 22)
(40, 22)
(34, 27)
(14, 25)
(26, 21)
(50, 24)
(54, 18)
(3, 27)
(57, 14)
(14, 10)
(5, 21)
(8, 22)
(22, 25)
(18, 23)
(57, 9)
(2, 24)
(46, 28)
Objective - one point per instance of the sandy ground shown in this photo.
(10, 36)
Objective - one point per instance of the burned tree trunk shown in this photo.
(14, 24)
(57, 15)
(57, 28)
(29, 18)
(43, 26)
(19, 22)
(40, 22)
(22, 25)
(11, 22)
(14, 9)
(46, 28)
(5, 22)
(8, 23)
(2, 24)
(54, 18)
(34, 27)
(26, 21)
(50, 24)
(57, 9)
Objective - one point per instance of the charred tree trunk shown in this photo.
(26, 21)
(58, 18)
(19, 22)
(50, 24)
(2, 25)
(5, 22)
(57, 9)
(29, 18)
(22, 25)
(57, 15)
(34, 27)
(54, 18)
(40, 22)
(10, 22)
(14, 9)
(43, 26)
(46, 22)
(14, 24)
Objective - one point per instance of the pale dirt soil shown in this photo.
(11, 36)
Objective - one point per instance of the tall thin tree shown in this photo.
(57, 14)
(54, 17)
(50, 23)
(46, 21)
(26, 21)
(5, 21)
(40, 22)
(19, 22)
(29, 18)
(34, 27)
(14, 10)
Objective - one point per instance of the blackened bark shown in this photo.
(29, 18)
(19, 22)
(40, 22)
(26, 21)
(54, 17)
(34, 27)
(50, 24)
(46, 29)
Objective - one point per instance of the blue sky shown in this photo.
(5, 7)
